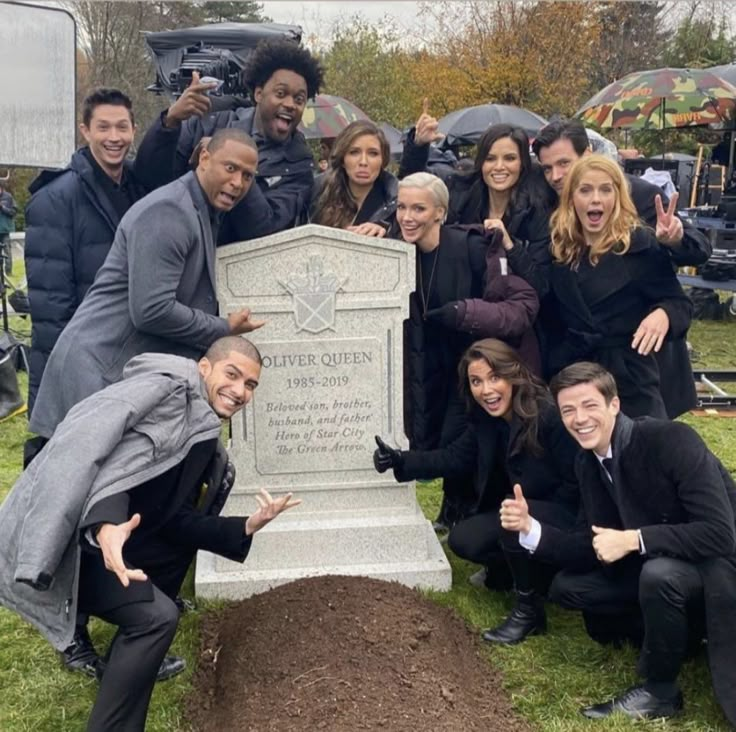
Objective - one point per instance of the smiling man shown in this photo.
(281, 77)
(110, 516)
(156, 290)
(71, 221)
(656, 540)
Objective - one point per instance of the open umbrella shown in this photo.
(660, 99)
(326, 116)
(466, 126)
(393, 137)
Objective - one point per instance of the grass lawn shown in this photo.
(549, 677)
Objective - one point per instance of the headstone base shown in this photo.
(401, 547)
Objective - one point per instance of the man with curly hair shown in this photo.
(281, 77)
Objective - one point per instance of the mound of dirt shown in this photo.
(344, 653)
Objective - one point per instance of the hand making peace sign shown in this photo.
(669, 227)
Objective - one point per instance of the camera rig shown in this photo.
(219, 50)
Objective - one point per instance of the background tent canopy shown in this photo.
(168, 48)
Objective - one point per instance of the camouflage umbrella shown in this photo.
(326, 116)
(660, 99)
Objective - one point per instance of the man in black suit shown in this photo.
(656, 531)
(118, 508)
(557, 146)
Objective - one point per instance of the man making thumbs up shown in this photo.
(656, 532)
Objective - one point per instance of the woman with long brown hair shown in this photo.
(514, 435)
(616, 293)
(356, 192)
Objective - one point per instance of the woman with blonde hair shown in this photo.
(356, 192)
(616, 292)
(464, 291)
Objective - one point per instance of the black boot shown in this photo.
(527, 618)
(81, 655)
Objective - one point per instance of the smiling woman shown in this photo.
(616, 293)
(513, 437)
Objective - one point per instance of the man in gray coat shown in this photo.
(156, 290)
(109, 515)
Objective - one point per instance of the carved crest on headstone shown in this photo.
(313, 296)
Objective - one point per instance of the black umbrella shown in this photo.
(393, 137)
(466, 126)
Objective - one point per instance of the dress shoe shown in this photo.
(185, 605)
(527, 618)
(170, 667)
(637, 703)
(81, 655)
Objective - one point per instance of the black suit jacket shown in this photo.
(669, 485)
(547, 477)
(176, 522)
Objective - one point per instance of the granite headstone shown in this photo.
(332, 375)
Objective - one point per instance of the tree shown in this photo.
(532, 54)
(366, 65)
(632, 38)
(245, 11)
(702, 39)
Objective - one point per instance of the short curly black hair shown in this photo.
(272, 55)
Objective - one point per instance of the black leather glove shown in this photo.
(449, 315)
(385, 457)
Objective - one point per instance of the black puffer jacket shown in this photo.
(70, 226)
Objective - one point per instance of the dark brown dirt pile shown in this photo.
(345, 653)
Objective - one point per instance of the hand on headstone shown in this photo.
(385, 457)
(240, 322)
(268, 509)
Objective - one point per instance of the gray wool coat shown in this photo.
(112, 441)
(155, 292)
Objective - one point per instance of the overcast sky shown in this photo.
(318, 17)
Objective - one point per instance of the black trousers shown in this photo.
(145, 632)
(481, 539)
(669, 594)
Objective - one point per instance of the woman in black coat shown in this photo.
(514, 436)
(463, 292)
(615, 292)
(356, 192)
(505, 190)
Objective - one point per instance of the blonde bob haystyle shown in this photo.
(568, 242)
(428, 182)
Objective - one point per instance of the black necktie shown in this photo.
(607, 470)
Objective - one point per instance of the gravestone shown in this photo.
(332, 375)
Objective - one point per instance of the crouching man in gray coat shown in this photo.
(108, 517)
